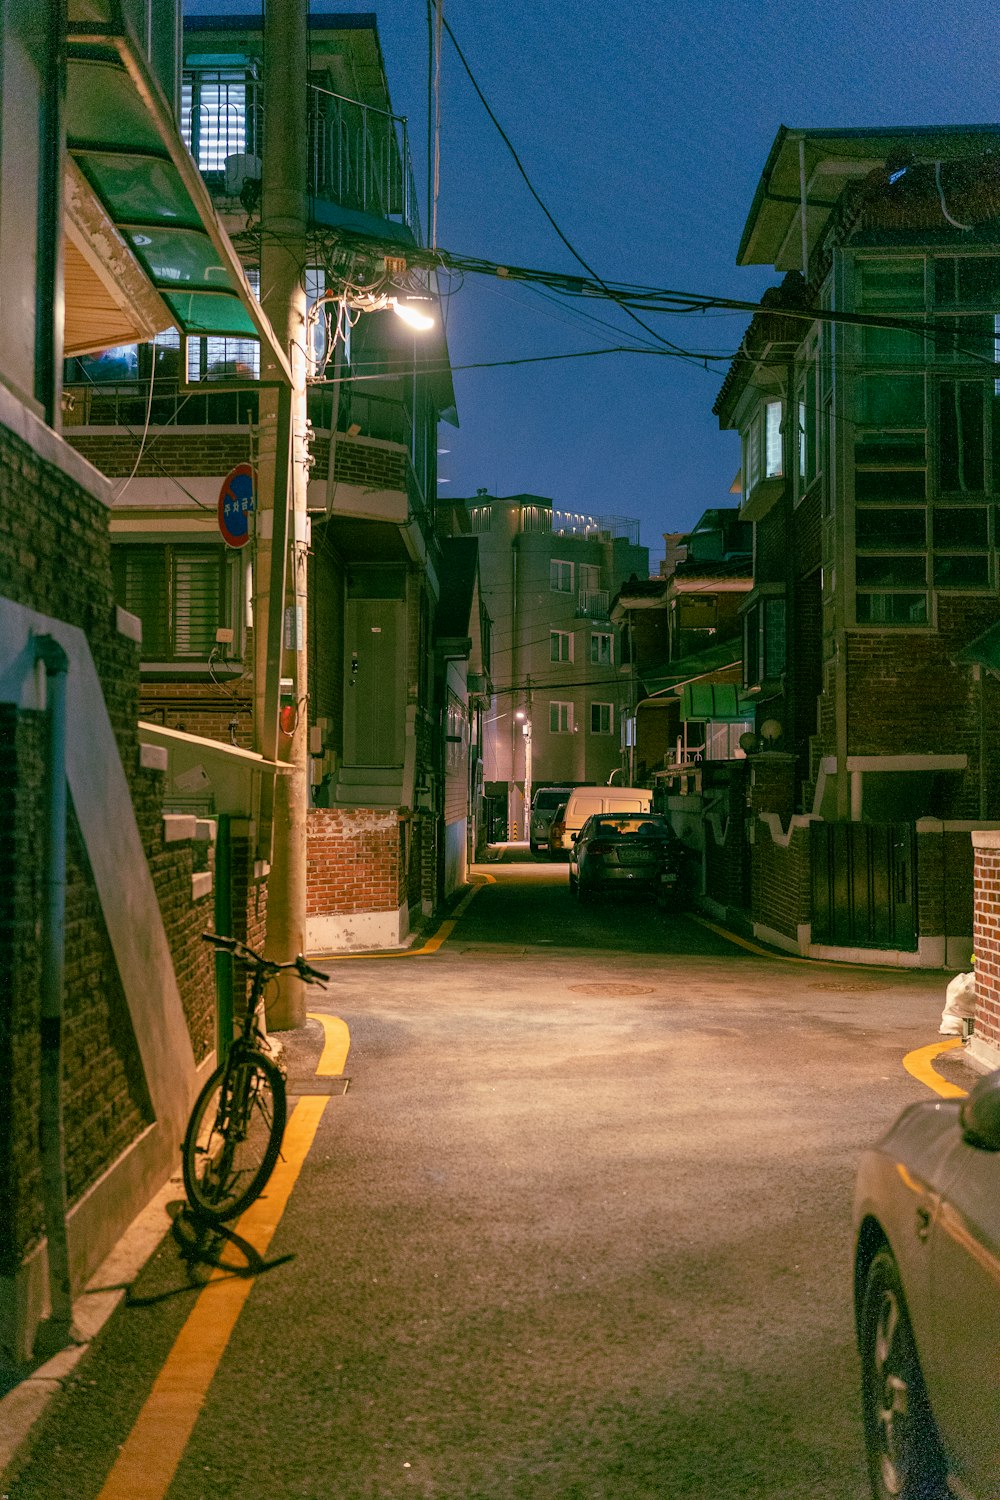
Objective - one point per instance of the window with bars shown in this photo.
(219, 116)
(178, 592)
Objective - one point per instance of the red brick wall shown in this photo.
(354, 861)
(986, 937)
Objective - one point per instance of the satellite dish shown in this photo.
(749, 742)
(771, 730)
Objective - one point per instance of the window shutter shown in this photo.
(197, 598)
(144, 593)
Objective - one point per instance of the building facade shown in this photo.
(865, 399)
(108, 1020)
(563, 697)
(178, 429)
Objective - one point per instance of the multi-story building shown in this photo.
(562, 695)
(865, 395)
(681, 633)
(174, 439)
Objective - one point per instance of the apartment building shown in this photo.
(562, 695)
(181, 432)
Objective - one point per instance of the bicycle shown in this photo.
(233, 1137)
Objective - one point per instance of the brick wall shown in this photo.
(360, 461)
(725, 856)
(55, 558)
(986, 938)
(781, 879)
(170, 450)
(944, 883)
(202, 708)
(353, 861)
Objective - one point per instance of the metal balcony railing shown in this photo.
(593, 604)
(358, 154)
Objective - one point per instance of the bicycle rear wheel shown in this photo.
(234, 1136)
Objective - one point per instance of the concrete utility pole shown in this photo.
(280, 613)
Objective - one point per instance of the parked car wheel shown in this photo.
(905, 1461)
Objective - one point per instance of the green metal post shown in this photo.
(224, 927)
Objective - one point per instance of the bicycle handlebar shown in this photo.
(240, 950)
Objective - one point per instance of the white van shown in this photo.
(584, 801)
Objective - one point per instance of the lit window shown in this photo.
(772, 440)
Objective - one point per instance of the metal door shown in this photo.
(864, 879)
(375, 706)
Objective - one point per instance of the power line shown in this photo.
(534, 193)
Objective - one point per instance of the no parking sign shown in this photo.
(236, 503)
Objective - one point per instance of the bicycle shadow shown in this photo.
(204, 1252)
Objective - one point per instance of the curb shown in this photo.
(22, 1406)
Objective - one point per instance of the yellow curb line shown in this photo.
(785, 958)
(432, 944)
(146, 1465)
(336, 1045)
(920, 1065)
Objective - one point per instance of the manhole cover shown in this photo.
(612, 989)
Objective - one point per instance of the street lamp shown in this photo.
(526, 731)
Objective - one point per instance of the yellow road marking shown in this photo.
(740, 942)
(336, 1045)
(432, 944)
(146, 1465)
(920, 1064)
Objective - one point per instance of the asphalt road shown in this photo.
(579, 1229)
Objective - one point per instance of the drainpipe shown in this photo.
(57, 1331)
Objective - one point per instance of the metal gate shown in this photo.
(864, 885)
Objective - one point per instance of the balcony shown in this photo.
(358, 155)
(593, 604)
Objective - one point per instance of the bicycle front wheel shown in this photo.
(233, 1137)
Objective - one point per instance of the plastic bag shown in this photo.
(960, 1003)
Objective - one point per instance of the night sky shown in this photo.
(644, 128)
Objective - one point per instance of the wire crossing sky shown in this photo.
(635, 138)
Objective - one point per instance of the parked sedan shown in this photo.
(927, 1300)
(626, 851)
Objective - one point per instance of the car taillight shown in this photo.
(597, 847)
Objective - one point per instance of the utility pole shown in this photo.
(280, 612)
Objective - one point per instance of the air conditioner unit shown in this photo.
(237, 169)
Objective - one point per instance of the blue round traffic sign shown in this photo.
(236, 503)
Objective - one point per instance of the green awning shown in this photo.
(984, 651)
(123, 138)
(715, 702)
(672, 675)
